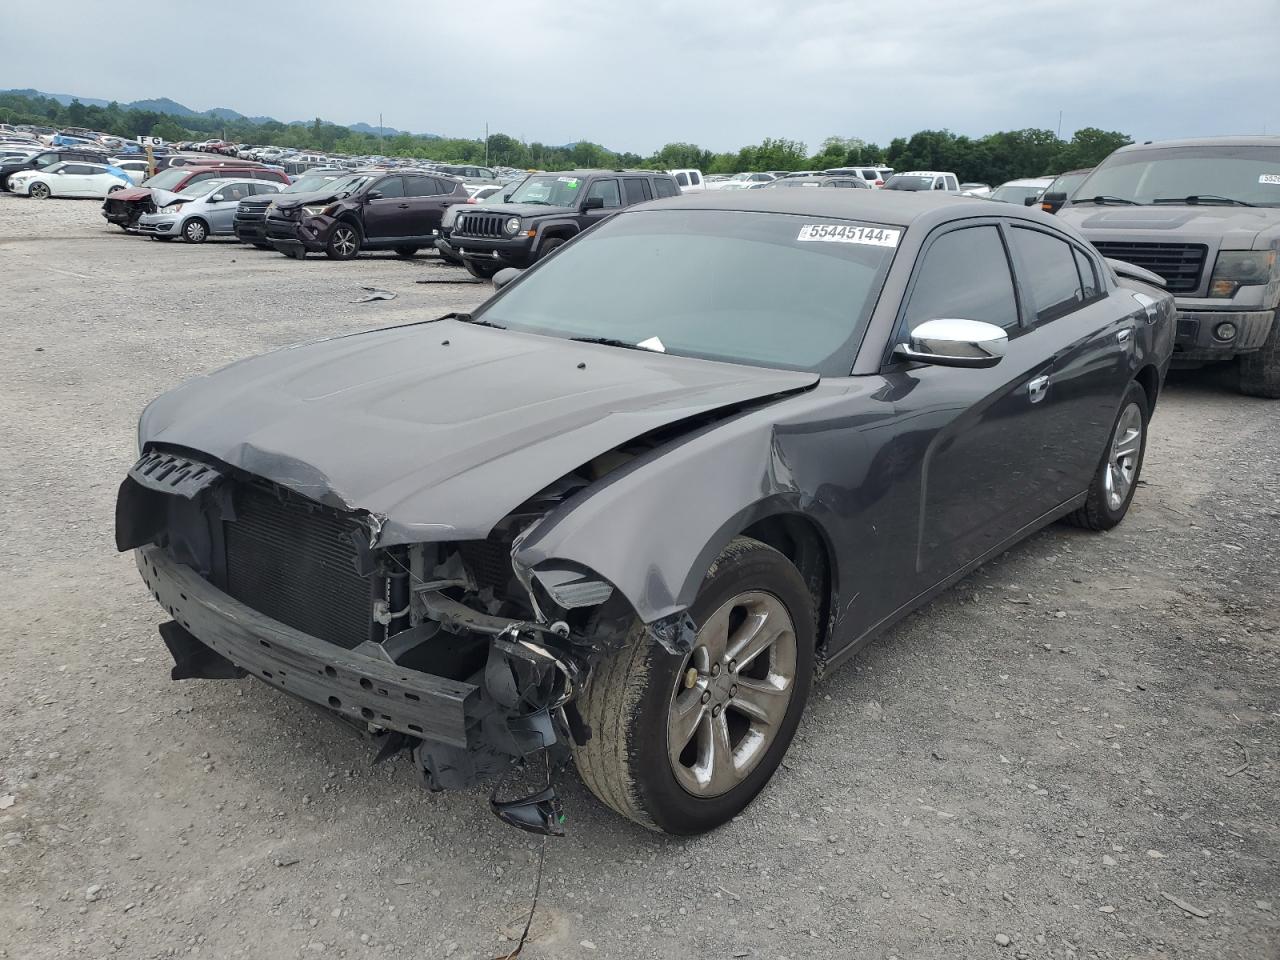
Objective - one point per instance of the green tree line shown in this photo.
(993, 158)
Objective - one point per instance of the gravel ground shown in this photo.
(1071, 754)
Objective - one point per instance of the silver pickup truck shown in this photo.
(1205, 215)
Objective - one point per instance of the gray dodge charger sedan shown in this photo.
(627, 510)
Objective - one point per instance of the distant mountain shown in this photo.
(173, 108)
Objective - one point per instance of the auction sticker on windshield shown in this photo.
(848, 233)
(1270, 178)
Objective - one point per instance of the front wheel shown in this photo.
(195, 230)
(1260, 370)
(1112, 488)
(115, 189)
(40, 191)
(344, 243)
(682, 743)
(549, 247)
(481, 270)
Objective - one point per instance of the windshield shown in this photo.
(201, 188)
(1010, 194)
(770, 290)
(44, 159)
(167, 179)
(345, 186)
(902, 182)
(552, 190)
(1067, 183)
(308, 184)
(1248, 174)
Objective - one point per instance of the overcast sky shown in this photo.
(635, 75)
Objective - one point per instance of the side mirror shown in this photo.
(592, 203)
(1030, 201)
(1052, 202)
(373, 195)
(217, 198)
(505, 276)
(955, 343)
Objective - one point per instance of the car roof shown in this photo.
(1029, 182)
(875, 206)
(921, 173)
(1259, 140)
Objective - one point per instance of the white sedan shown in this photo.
(70, 178)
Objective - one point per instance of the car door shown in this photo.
(1091, 334)
(426, 199)
(979, 437)
(607, 190)
(635, 190)
(384, 214)
(221, 208)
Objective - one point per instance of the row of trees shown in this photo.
(993, 159)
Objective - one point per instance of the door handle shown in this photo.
(1037, 388)
(1123, 335)
(403, 206)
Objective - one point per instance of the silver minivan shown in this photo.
(204, 209)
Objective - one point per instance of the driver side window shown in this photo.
(607, 190)
(390, 187)
(964, 275)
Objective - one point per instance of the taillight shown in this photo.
(472, 200)
(879, 183)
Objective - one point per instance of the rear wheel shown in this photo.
(195, 230)
(1114, 484)
(39, 191)
(406, 251)
(480, 270)
(682, 743)
(344, 242)
(1260, 370)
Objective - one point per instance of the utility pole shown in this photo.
(1059, 124)
(379, 129)
(486, 143)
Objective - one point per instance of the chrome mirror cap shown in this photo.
(955, 343)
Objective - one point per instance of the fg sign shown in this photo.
(151, 141)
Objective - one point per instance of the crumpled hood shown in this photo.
(291, 200)
(132, 194)
(440, 428)
(1236, 227)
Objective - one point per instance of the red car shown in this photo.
(124, 207)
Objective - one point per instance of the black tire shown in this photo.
(1260, 371)
(115, 190)
(160, 239)
(479, 270)
(628, 698)
(195, 230)
(406, 251)
(1099, 512)
(549, 247)
(344, 242)
(39, 191)
(263, 246)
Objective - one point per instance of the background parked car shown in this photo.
(70, 178)
(877, 177)
(399, 211)
(845, 182)
(1025, 192)
(134, 168)
(45, 158)
(688, 180)
(1057, 193)
(492, 198)
(973, 189)
(202, 210)
(742, 181)
(915, 181)
(250, 221)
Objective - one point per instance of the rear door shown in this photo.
(635, 190)
(1091, 335)
(384, 216)
(426, 200)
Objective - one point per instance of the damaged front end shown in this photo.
(451, 651)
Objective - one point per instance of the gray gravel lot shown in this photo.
(1071, 754)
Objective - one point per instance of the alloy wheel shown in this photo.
(732, 694)
(344, 241)
(1122, 461)
(195, 231)
(40, 191)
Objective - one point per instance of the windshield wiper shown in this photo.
(541, 203)
(1105, 199)
(468, 318)
(1204, 198)
(612, 342)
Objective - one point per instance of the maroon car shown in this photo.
(124, 207)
